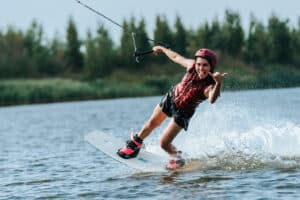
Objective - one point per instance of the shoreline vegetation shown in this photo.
(49, 90)
(34, 69)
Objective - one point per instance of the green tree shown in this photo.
(296, 45)
(180, 37)
(37, 51)
(106, 51)
(100, 54)
(73, 55)
(13, 60)
(216, 36)
(203, 37)
(233, 33)
(58, 61)
(256, 46)
(91, 57)
(209, 36)
(279, 41)
(142, 40)
(192, 42)
(126, 47)
(163, 34)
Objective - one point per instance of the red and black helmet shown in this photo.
(209, 55)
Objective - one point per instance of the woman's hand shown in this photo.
(157, 49)
(217, 76)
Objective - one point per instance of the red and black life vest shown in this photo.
(189, 93)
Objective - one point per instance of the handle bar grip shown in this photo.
(136, 54)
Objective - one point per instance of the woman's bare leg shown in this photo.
(157, 117)
(168, 136)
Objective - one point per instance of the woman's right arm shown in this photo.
(175, 57)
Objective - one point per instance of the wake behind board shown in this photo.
(108, 144)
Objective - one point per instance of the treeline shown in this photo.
(28, 54)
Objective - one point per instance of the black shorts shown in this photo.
(169, 107)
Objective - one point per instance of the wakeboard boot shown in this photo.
(132, 148)
(177, 162)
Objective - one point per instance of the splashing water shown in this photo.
(243, 135)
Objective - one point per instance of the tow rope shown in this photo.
(133, 34)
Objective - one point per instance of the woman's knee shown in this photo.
(164, 144)
(168, 147)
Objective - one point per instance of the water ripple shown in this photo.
(33, 182)
(240, 151)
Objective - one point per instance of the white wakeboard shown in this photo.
(108, 144)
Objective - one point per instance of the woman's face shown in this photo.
(202, 67)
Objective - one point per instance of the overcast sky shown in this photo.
(53, 14)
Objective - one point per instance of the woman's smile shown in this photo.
(202, 67)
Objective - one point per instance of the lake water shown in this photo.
(248, 142)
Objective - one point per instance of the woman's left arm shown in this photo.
(213, 92)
